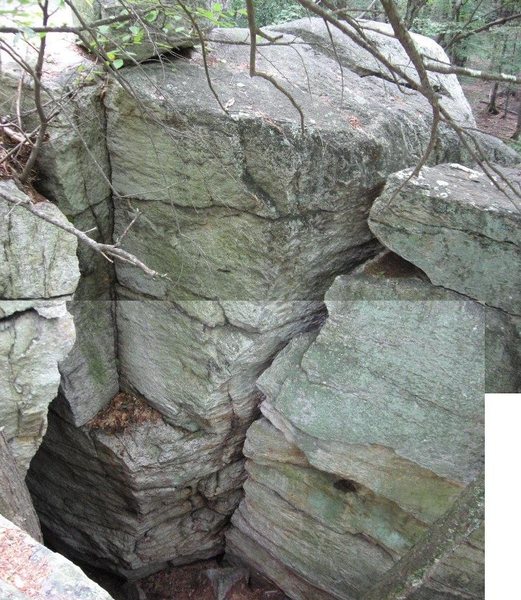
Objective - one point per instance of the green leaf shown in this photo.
(152, 16)
(118, 63)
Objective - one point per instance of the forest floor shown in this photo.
(501, 125)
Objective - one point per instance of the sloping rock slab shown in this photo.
(29, 570)
(460, 229)
(390, 277)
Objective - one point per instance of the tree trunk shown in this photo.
(508, 94)
(492, 108)
(412, 10)
(517, 132)
(15, 500)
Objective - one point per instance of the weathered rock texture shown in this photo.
(74, 173)
(448, 561)
(251, 220)
(15, 500)
(170, 28)
(459, 228)
(390, 277)
(34, 337)
(29, 570)
(38, 272)
(371, 431)
(38, 258)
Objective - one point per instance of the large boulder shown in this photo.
(459, 228)
(250, 219)
(370, 432)
(249, 207)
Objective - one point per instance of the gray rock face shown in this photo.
(251, 220)
(30, 570)
(448, 561)
(38, 258)
(74, 173)
(362, 62)
(371, 431)
(34, 338)
(162, 488)
(89, 377)
(15, 500)
(458, 228)
(38, 270)
(389, 277)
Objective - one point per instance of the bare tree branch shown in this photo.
(254, 31)
(38, 70)
(445, 68)
(466, 34)
(107, 250)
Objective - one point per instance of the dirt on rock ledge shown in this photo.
(205, 581)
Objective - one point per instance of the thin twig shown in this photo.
(204, 53)
(110, 251)
(252, 26)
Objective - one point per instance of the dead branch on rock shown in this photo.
(109, 251)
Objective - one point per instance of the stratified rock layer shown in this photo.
(455, 225)
(371, 431)
(250, 219)
(448, 561)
